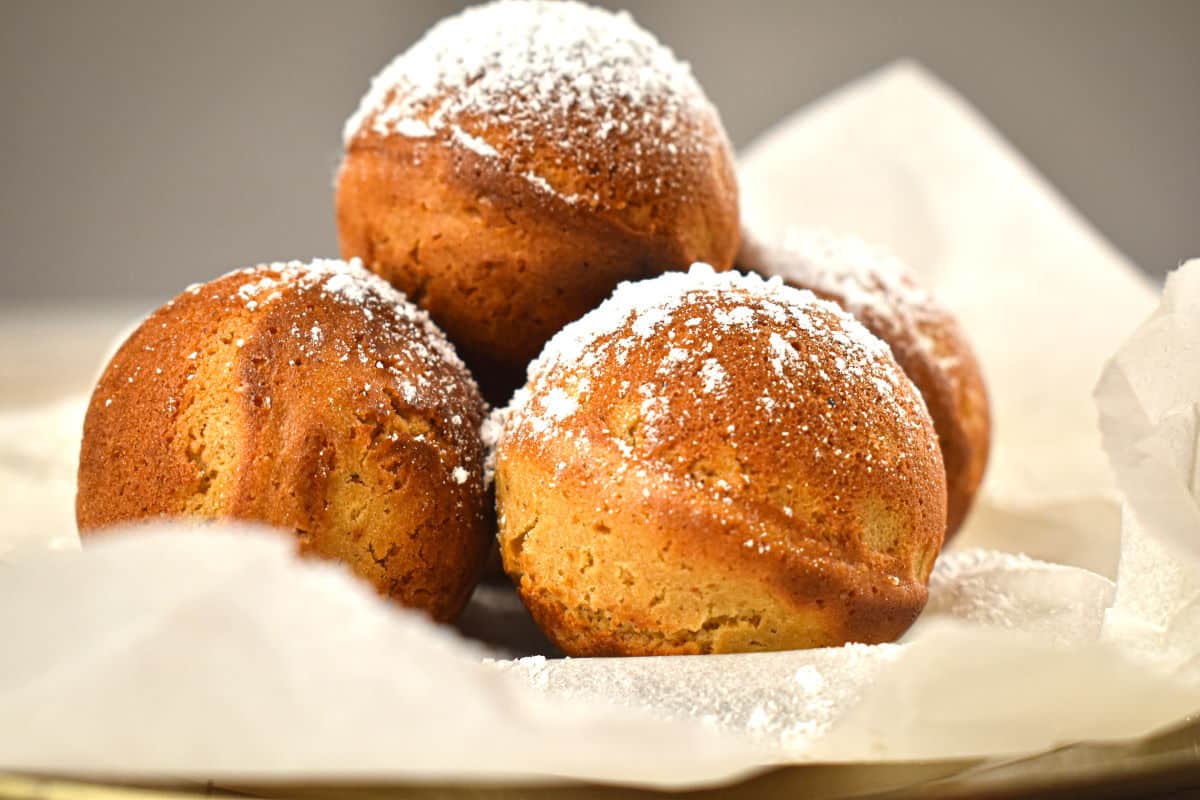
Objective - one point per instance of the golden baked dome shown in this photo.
(520, 160)
(312, 397)
(930, 345)
(713, 462)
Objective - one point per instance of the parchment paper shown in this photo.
(218, 655)
(901, 160)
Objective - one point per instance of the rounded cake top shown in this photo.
(282, 317)
(926, 339)
(740, 400)
(393, 320)
(546, 89)
(727, 344)
(313, 397)
(866, 280)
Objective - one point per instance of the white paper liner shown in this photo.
(204, 654)
(1150, 413)
(218, 655)
(1149, 400)
(39, 452)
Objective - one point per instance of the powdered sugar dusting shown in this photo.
(782, 352)
(347, 282)
(767, 319)
(369, 354)
(870, 283)
(415, 362)
(490, 431)
(782, 702)
(413, 128)
(646, 306)
(714, 376)
(559, 405)
(529, 82)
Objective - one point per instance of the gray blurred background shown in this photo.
(150, 144)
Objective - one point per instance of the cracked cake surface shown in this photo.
(312, 397)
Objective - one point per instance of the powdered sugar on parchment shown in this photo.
(780, 701)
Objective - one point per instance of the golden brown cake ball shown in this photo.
(711, 463)
(519, 161)
(884, 295)
(312, 397)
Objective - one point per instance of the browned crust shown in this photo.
(948, 376)
(743, 600)
(611, 560)
(931, 347)
(500, 263)
(951, 382)
(283, 430)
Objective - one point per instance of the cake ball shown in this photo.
(519, 161)
(711, 463)
(929, 344)
(310, 397)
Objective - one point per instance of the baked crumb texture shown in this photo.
(711, 462)
(522, 159)
(312, 397)
(927, 341)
